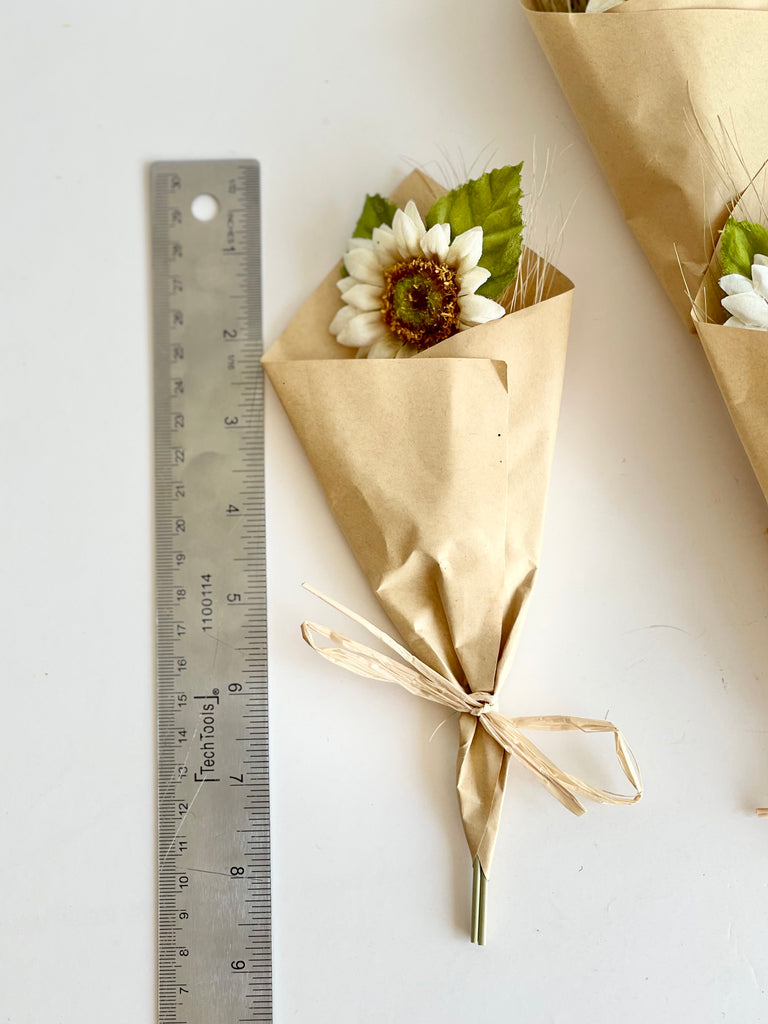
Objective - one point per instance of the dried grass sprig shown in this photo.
(543, 238)
(452, 171)
(743, 194)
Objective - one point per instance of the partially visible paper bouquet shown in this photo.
(643, 79)
(730, 312)
(436, 462)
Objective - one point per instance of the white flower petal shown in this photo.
(734, 284)
(345, 338)
(466, 249)
(412, 211)
(364, 297)
(345, 283)
(476, 309)
(472, 279)
(760, 260)
(360, 243)
(342, 318)
(385, 348)
(749, 308)
(437, 241)
(407, 235)
(760, 280)
(733, 321)
(384, 245)
(362, 264)
(365, 328)
(362, 330)
(406, 351)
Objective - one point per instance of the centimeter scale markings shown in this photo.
(214, 909)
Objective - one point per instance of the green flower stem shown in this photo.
(476, 872)
(481, 910)
(477, 927)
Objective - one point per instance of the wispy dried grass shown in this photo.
(699, 308)
(543, 235)
(724, 165)
(451, 171)
(743, 193)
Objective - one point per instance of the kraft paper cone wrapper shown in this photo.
(436, 469)
(636, 78)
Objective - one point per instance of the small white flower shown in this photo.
(747, 300)
(409, 288)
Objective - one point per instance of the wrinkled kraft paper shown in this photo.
(436, 469)
(635, 78)
(739, 361)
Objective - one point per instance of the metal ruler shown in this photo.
(214, 909)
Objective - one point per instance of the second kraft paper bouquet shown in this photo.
(730, 312)
(423, 379)
(649, 82)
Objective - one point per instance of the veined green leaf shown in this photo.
(376, 211)
(741, 241)
(491, 202)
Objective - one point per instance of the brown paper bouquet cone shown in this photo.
(642, 80)
(436, 468)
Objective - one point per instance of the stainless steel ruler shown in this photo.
(214, 910)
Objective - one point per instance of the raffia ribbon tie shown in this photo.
(482, 703)
(419, 679)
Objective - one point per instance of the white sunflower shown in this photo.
(747, 300)
(409, 288)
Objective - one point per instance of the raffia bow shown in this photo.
(421, 680)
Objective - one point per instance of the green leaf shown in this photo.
(741, 241)
(376, 211)
(491, 202)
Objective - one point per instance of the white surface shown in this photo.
(650, 605)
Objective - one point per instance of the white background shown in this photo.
(650, 604)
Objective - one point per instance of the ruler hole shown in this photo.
(204, 207)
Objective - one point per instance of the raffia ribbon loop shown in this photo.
(422, 681)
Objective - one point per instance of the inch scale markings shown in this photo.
(214, 938)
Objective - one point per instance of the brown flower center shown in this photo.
(420, 301)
